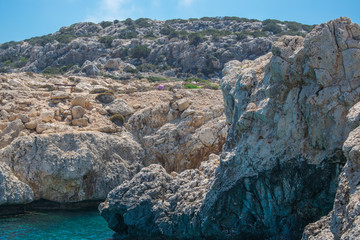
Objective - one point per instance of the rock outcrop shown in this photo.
(289, 114)
(65, 145)
(73, 167)
(174, 48)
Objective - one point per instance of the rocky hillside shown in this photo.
(134, 48)
(76, 143)
(294, 117)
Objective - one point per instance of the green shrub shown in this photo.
(9, 44)
(118, 119)
(130, 70)
(140, 51)
(105, 24)
(191, 86)
(156, 79)
(146, 67)
(213, 86)
(272, 27)
(116, 21)
(195, 38)
(142, 22)
(178, 20)
(51, 70)
(128, 21)
(21, 63)
(195, 79)
(128, 33)
(150, 35)
(3, 70)
(106, 40)
(166, 30)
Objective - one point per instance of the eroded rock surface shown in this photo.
(279, 170)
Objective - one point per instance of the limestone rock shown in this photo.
(81, 166)
(59, 95)
(287, 113)
(13, 191)
(11, 132)
(78, 112)
(80, 101)
(80, 122)
(182, 104)
(31, 125)
(161, 197)
(47, 115)
(119, 106)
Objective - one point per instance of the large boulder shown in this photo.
(73, 167)
(282, 157)
(11, 132)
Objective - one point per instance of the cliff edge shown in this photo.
(290, 113)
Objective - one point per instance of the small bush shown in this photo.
(142, 22)
(118, 119)
(166, 30)
(195, 38)
(51, 70)
(105, 24)
(128, 34)
(191, 86)
(106, 40)
(156, 79)
(140, 51)
(105, 97)
(128, 21)
(130, 70)
(213, 86)
(147, 67)
(272, 27)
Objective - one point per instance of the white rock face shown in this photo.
(10, 132)
(13, 191)
(75, 166)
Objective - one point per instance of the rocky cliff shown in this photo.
(173, 48)
(290, 113)
(71, 139)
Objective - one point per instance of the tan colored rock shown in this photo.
(77, 112)
(80, 122)
(183, 104)
(80, 101)
(31, 125)
(59, 95)
(41, 127)
(47, 115)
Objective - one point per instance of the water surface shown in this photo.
(55, 225)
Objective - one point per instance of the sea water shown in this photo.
(55, 225)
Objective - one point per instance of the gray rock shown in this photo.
(11, 132)
(119, 106)
(82, 166)
(12, 190)
(282, 155)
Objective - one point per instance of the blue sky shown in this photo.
(22, 19)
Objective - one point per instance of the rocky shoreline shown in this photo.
(273, 155)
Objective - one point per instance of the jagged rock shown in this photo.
(13, 191)
(182, 104)
(343, 222)
(90, 69)
(11, 132)
(153, 196)
(77, 112)
(60, 167)
(119, 106)
(282, 157)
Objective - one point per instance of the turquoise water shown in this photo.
(55, 225)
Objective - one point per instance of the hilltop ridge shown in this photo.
(135, 48)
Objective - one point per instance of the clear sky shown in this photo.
(22, 19)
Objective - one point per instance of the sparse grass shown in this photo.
(156, 79)
(191, 86)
